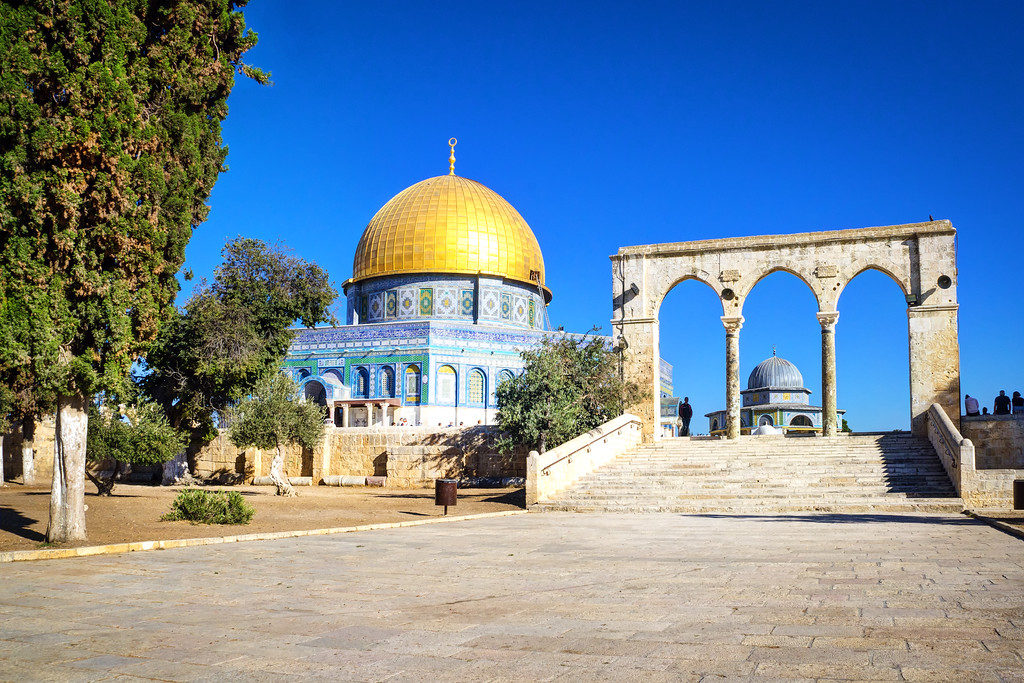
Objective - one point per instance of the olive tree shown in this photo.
(128, 435)
(570, 385)
(231, 333)
(275, 417)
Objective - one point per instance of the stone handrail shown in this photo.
(955, 452)
(561, 467)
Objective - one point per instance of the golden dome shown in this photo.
(449, 224)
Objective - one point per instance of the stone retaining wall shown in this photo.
(408, 456)
(998, 440)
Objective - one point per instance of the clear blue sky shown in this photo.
(617, 124)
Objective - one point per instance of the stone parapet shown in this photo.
(998, 440)
(980, 488)
(407, 456)
(554, 471)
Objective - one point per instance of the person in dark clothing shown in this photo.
(1018, 403)
(685, 413)
(1002, 406)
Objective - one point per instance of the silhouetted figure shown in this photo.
(1018, 403)
(685, 413)
(1002, 406)
(984, 411)
(970, 404)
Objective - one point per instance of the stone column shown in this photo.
(829, 418)
(732, 375)
(640, 365)
(934, 363)
(383, 414)
(346, 414)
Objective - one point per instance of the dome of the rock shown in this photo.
(449, 224)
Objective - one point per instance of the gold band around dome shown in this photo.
(449, 224)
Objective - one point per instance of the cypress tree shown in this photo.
(110, 143)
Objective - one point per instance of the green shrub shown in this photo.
(210, 507)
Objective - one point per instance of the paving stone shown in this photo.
(554, 596)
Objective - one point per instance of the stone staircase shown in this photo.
(893, 472)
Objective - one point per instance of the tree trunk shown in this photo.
(67, 497)
(2, 458)
(105, 488)
(284, 488)
(176, 470)
(28, 453)
(543, 442)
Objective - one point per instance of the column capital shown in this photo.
(732, 323)
(828, 319)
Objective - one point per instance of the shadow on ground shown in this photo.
(848, 518)
(18, 524)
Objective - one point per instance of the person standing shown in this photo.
(685, 413)
(1002, 404)
(971, 404)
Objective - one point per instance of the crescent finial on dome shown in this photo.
(451, 160)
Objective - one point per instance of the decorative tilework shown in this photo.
(377, 306)
(506, 307)
(364, 308)
(426, 301)
(533, 313)
(490, 305)
(466, 302)
(445, 302)
(391, 304)
(406, 303)
(519, 311)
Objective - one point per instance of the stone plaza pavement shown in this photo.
(538, 596)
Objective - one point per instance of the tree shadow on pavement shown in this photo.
(18, 524)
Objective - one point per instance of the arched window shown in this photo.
(801, 421)
(314, 391)
(362, 382)
(477, 387)
(412, 384)
(446, 385)
(387, 382)
(504, 375)
(301, 374)
(766, 420)
(714, 424)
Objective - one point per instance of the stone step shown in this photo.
(870, 473)
(793, 507)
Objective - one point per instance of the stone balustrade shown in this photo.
(561, 467)
(989, 489)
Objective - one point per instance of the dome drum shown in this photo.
(461, 298)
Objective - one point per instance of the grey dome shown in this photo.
(775, 373)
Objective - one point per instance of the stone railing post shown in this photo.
(829, 418)
(732, 375)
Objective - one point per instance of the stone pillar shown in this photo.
(732, 375)
(640, 365)
(346, 414)
(934, 363)
(383, 414)
(829, 417)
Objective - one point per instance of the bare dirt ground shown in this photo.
(133, 512)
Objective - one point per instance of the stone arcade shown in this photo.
(919, 257)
